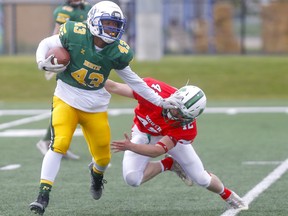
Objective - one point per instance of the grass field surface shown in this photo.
(221, 77)
(241, 148)
(246, 148)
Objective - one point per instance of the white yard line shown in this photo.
(24, 121)
(44, 113)
(10, 167)
(261, 162)
(236, 110)
(113, 112)
(23, 112)
(261, 187)
(227, 110)
(31, 132)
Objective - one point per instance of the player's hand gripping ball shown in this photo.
(60, 56)
(56, 61)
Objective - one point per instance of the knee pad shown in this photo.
(203, 179)
(133, 178)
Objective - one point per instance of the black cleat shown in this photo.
(39, 205)
(97, 183)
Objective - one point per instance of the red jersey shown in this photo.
(149, 118)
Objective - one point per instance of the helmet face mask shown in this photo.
(106, 12)
(177, 116)
(193, 103)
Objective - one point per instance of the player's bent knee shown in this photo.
(203, 179)
(133, 178)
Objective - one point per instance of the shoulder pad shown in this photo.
(67, 8)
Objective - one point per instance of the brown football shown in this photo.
(61, 55)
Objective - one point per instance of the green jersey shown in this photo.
(89, 68)
(66, 12)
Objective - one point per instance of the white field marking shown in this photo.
(10, 167)
(236, 110)
(23, 112)
(113, 112)
(227, 110)
(31, 132)
(261, 187)
(24, 121)
(261, 162)
(42, 114)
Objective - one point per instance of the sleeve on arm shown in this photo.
(138, 85)
(45, 45)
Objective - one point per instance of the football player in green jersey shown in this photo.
(74, 10)
(95, 49)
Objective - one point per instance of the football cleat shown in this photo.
(176, 168)
(43, 146)
(39, 205)
(97, 183)
(235, 202)
(71, 155)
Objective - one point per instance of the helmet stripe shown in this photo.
(194, 99)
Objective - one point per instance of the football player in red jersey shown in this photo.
(157, 131)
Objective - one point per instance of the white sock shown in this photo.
(51, 165)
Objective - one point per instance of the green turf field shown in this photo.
(226, 144)
(241, 148)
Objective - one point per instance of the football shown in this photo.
(61, 55)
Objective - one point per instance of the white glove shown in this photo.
(46, 65)
(172, 102)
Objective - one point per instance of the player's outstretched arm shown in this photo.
(163, 146)
(118, 88)
(141, 88)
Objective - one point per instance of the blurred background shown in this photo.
(161, 27)
(235, 50)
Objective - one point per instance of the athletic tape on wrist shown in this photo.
(163, 146)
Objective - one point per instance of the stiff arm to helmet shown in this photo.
(106, 10)
(192, 101)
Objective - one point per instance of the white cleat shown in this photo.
(43, 146)
(235, 202)
(70, 155)
(176, 168)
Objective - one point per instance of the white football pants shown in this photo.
(135, 164)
